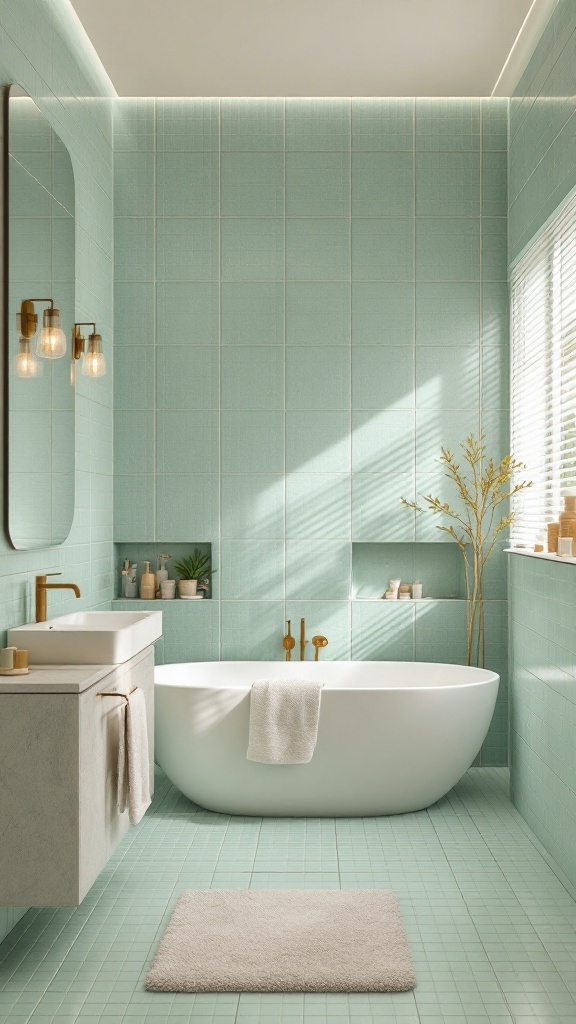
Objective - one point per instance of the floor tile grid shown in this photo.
(456, 900)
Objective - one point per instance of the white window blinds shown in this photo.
(543, 384)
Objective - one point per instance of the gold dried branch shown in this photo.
(481, 489)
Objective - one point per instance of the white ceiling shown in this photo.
(303, 47)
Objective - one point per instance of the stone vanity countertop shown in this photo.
(56, 679)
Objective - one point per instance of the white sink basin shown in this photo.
(87, 638)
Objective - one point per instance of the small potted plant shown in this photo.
(192, 569)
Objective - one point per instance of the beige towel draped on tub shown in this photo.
(284, 717)
(134, 758)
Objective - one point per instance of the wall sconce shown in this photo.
(51, 342)
(26, 363)
(93, 363)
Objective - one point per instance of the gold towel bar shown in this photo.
(113, 693)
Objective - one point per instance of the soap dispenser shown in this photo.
(148, 584)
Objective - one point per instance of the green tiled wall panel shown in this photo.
(542, 172)
(44, 50)
(312, 332)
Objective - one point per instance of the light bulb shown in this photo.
(94, 363)
(51, 342)
(26, 363)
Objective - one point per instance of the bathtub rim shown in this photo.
(488, 676)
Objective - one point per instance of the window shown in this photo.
(543, 385)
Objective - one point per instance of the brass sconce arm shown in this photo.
(78, 339)
(28, 323)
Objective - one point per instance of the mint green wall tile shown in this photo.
(382, 124)
(382, 378)
(252, 570)
(377, 511)
(134, 184)
(185, 127)
(187, 249)
(253, 506)
(494, 125)
(252, 630)
(447, 249)
(186, 507)
(447, 184)
(318, 505)
(252, 442)
(317, 125)
(495, 377)
(252, 378)
(439, 428)
(187, 185)
(252, 313)
(317, 313)
(382, 184)
(494, 184)
(134, 125)
(382, 313)
(317, 184)
(447, 378)
(187, 379)
(440, 632)
(318, 570)
(134, 313)
(252, 184)
(134, 377)
(186, 442)
(383, 631)
(134, 249)
(382, 250)
(187, 313)
(318, 378)
(495, 427)
(190, 631)
(134, 441)
(134, 508)
(252, 125)
(447, 314)
(383, 441)
(448, 125)
(495, 314)
(317, 249)
(494, 249)
(252, 249)
(318, 442)
(326, 618)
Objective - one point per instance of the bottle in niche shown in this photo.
(131, 584)
(148, 584)
(162, 571)
(124, 576)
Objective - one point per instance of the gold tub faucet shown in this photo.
(289, 642)
(42, 586)
(303, 640)
(317, 643)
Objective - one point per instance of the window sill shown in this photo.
(549, 556)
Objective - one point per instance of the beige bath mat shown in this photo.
(283, 941)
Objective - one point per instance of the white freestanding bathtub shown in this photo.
(393, 736)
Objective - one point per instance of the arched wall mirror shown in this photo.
(39, 395)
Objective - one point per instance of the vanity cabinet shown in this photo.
(59, 821)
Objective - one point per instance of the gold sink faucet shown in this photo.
(42, 587)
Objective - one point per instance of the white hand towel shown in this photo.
(284, 718)
(133, 758)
